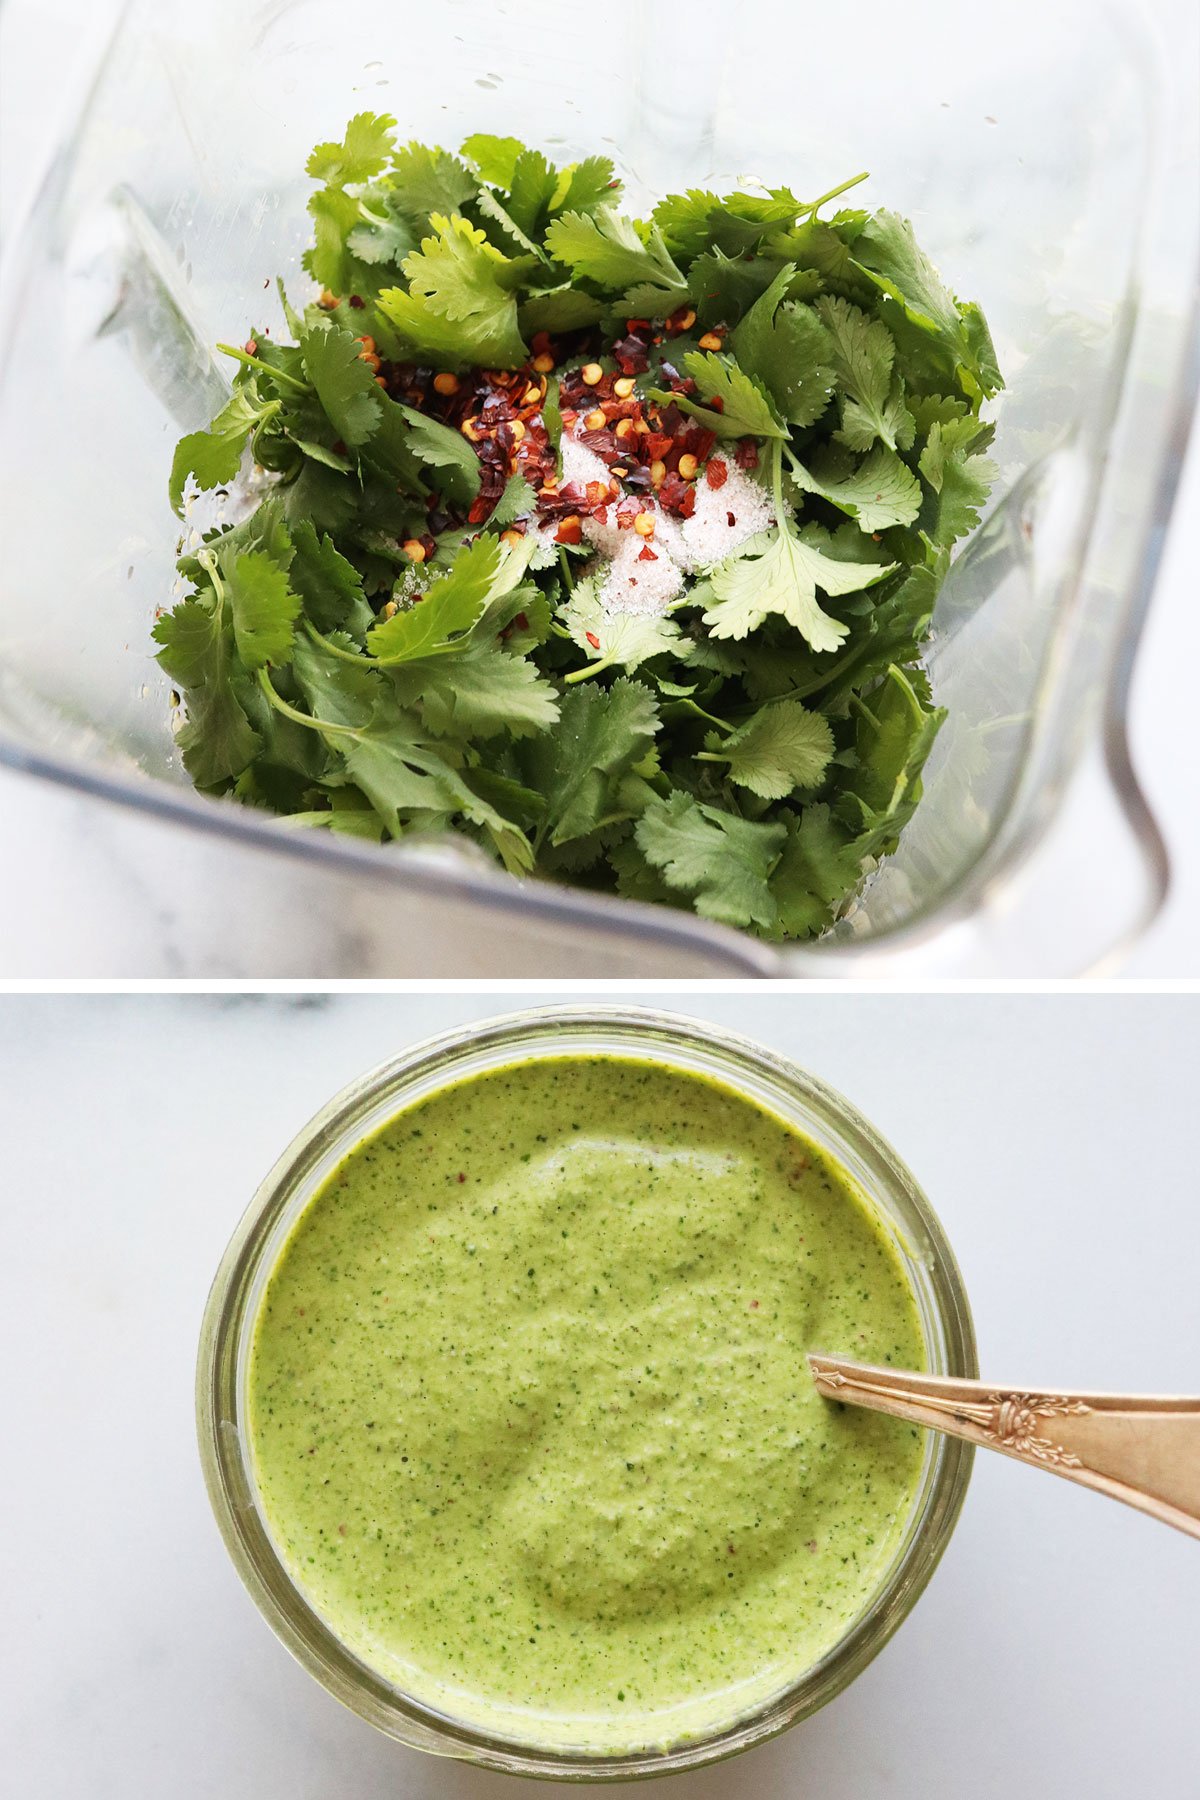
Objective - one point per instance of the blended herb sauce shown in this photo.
(529, 1409)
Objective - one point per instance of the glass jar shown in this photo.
(675, 1042)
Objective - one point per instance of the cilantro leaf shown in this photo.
(863, 354)
(364, 152)
(724, 863)
(215, 456)
(614, 638)
(887, 253)
(607, 249)
(448, 450)
(531, 189)
(335, 216)
(329, 586)
(263, 607)
(734, 224)
(426, 181)
(881, 491)
(382, 236)
(457, 310)
(479, 693)
(782, 747)
(218, 741)
(895, 734)
(561, 309)
(746, 409)
(344, 383)
(494, 157)
(587, 185)
(777, 573)
(451, 604)
(724, 288)
(601, 735)
(786, 347)
(516, 502)
(961, 481)
(819, 869)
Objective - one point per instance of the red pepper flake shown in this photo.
(341, 1531)
(570, 531)
(592, 639)
(746, 454)
(461, 1176)
(731, 518)
(251, 346)
(717, 473)
(731, 1549)
(754, 1306)
(356, 303)
(646, 554)
(716, 404)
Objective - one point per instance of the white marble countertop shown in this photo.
(1054, 1654)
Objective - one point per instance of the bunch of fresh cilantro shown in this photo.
(746, 755)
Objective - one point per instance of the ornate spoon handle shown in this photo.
(1143, 1449)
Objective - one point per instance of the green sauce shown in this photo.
(529, 1410)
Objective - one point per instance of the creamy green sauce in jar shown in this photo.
(529, 1410)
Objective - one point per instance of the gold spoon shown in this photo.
(1143, 1449)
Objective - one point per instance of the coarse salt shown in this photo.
(627, 583)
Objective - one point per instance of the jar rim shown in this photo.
(762, 1075)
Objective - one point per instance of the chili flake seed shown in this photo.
(445, 383)
(644, 525)
(328, 301)
(688, 466)
(595, 421)
(710, 341)
(624, 387)
(717, 473)
(414, 549)
(543, 364)
(590, 374)
(512, 537)
(658, 471)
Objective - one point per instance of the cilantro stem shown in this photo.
(862, 708)
(710, 718)
(252, 362)
(834, 192)
(361, 660)
(208, 561)
(564, 563)
(297, 717)
(595, 668)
